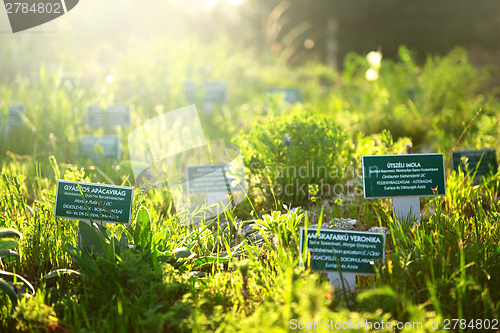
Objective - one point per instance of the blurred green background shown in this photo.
(376, 76)
(438, 69)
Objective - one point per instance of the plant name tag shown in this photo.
(345, 251)
(213, 91)
(106, 203)
(388, 176)
(111, 147)
(209, 178)
(485, 158)
(115, 115)
(13, 115)
(290, 95)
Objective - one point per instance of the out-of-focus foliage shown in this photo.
(431, 27)
(286, 154)
(430, 104)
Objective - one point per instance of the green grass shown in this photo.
(156, 275)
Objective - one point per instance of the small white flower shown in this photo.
(371, 74)
(374, 59)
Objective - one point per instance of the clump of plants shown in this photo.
(286, 154)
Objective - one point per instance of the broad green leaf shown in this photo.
(116, 247)
(90, 237)
(181, 252)
(10, 233)
(9, 277)
(143, 234)
(198, 274)
(8, 256)
(160, 237)
(228, 249)
(109, 248)
(143, 217)
(204, 260)
(84, 263)
(137, 234)
(7, 289)
(165, 258)
(6, 244)
(59, 272)
(123, 242)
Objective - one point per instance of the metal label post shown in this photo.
(406, 208)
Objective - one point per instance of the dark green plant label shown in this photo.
(387, 176)
(13, 115)
(116, 199)
(214, 91)
(354, 251)
(115, 115)
(290, 95)
(110, 144)
(209, 178)
(485, 158)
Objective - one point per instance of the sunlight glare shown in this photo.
(235, 2)
(209, 4)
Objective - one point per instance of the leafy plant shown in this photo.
(286, 154)
(156, 275)
(7, 255)
(34, 315)
(283, 228)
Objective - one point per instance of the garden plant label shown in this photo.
(389, 176)
(116, 199)
(485, 158)
(115, 115)
(13, 115)
(209, 178)
(345, 251)
(111, 146)
(213, 91)
(290, 95)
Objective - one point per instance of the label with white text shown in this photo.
(340, 250)
(106, 203)
(388, 176)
